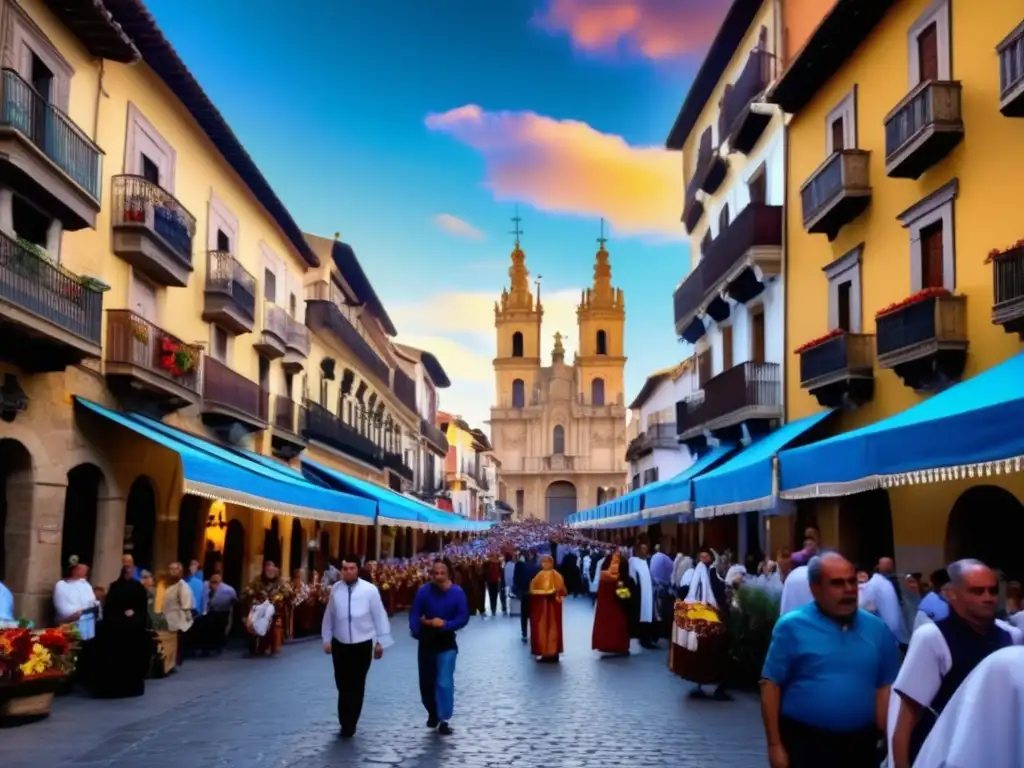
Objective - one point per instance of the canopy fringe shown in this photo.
(261, 504)
(735, 508)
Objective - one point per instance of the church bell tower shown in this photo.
(517, 321)
(601, 319)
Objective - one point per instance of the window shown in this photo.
(757, 334)
(517, 344)
(723, 219)
(844, 298)
(931, 223)
(38, 62)
(148, 154)
(841, 125)
(758, 186)
(597, 392)
(150, 170)
(602, 343)
(293, 305)
(704, 366)
(727, 347)
(520, 501)
(558, 440)
(518, 393)
(289, 381)
(264, 367)
(223, 242)
(219, 345)
(269, 286)
(928, 45)
(634, 484)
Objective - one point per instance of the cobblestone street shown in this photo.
(509, 711)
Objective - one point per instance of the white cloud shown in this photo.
(457, 227)
(458, 327)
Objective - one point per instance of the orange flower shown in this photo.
(923, 295)
(820, 340)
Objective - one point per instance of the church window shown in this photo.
(597, 392)
(602, 343)
(517, 344)
(518, 393)
(558, 438)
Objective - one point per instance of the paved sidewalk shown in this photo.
(510, 712)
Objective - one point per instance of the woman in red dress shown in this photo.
(611, 622)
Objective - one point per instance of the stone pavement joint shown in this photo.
(509, 711)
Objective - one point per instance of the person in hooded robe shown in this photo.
(611, 618)
(124, 641)
(571, 574)
(700, 646)
(547, 591)
(640, 573)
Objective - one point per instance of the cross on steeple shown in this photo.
(517, 231)
(602, 240)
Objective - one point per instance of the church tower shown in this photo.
(601, 318)
(517, 320)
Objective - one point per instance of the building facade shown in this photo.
(432, 447)
(467, 481)
(653, 452)
(559, 431)
(904, 250)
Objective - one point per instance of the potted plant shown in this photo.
(176, 358)
(33, 664)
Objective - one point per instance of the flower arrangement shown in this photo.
(700, 618)
(73, 291)
(140, 331)
(820, 340)
(176, 358)
(917, 298)
(622, 592)
(997, 252)
(27, 654)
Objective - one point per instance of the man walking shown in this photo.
(353, 619)
(521, 580)
(439, 610)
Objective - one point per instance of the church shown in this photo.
(559, 430)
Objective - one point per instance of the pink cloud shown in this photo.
(565, 166)
(656, 29)
(457, 227)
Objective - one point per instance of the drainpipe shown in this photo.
(376, 543)
(100, 93)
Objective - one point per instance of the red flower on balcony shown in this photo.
(996, 252)
(820, 340)
(923, 295)
(176, 358)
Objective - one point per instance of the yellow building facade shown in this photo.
(901, 169)
(559, 431)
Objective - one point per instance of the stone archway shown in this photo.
(297, 548)
(140, 523)
(987, 523)
(192, 529)
(560, 501)
(272, 544)
(16, 496)
(234, 554)
(865, 529)
(86, 485)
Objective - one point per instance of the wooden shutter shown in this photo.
(758, 187)
(704, 366)
(727, 348)
(757, 341)
(838, 137)
(928, 53)
(845, 307)
(932, 267)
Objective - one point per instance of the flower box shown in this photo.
(995, 253)
(29, 700)
(917, 298)
(835, 332)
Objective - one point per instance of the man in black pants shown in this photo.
(353, 620)
(521, 578)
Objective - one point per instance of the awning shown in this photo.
(674, 496)
(747, 481)
(620, 512)
(973, 429)
(213, 472)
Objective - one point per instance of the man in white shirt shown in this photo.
(796, 591)
(353, 620)
(880, 598)
(74, 602)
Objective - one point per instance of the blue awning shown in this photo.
(746, 482)
(213, 472)
(971, 429)
(675, 496)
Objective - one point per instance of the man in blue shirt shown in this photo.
(934, 605)
(826, 679)
(439, 610)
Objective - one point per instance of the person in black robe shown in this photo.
(571, 575)
(124, 640)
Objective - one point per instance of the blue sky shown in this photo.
(564, 107)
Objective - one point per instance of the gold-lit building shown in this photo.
(904, 255)
(559, 431)
(147, 267)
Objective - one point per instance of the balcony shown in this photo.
(296, 346)
(230, 296)
(396, 463)
(287, 428)
(838, 370)
(1011, 73)
(737, 121)
(233, 406)
(922, 129)
(836, 193)
(1008, 290)
(46, 157)
(326, 428)
(655, 437)
(49, 317)
(693, 208)
(324, 316)
(436, 439)
(711, 168)
(152, 230)
(273, 340)
(745, 400)
(924, 341)
(739, 261)
(405, 389)
(149, 367)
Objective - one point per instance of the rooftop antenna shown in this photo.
(517, 231)
(602, 240)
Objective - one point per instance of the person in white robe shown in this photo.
(596, 581)
(640, 572)
(879, 597)
(585, 571)
(796, 591)
(983, 724)
(74, 601)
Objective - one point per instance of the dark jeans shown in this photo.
(492, 593)
(811, 747)
(426, 662)
(524, 614)
(351, 664)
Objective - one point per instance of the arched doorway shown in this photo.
(297, 548)
(191, 529)
(865, 529)
(561, 501)
(602, 496)
(140, 523)
(78, 532)
(16, 484)
(987, 523)
(234, 554)
(272, 544)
